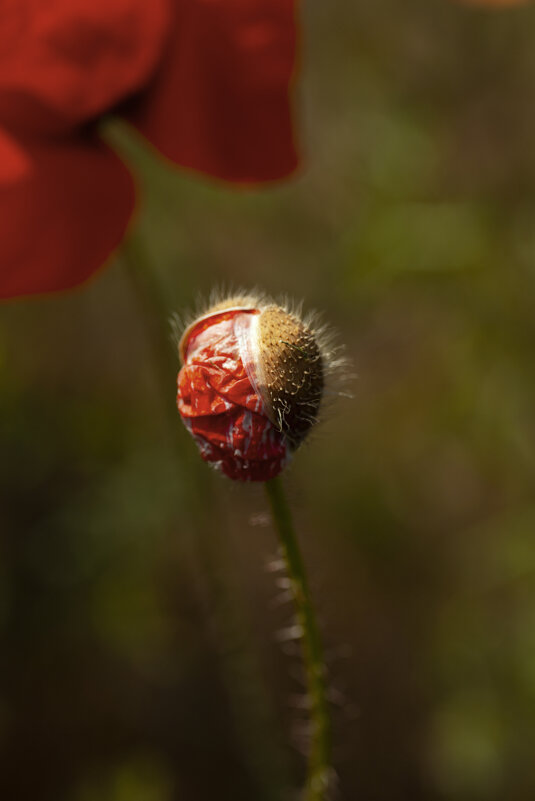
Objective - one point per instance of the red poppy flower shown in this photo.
(251, 385)
(206, 81)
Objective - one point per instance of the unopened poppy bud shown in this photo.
(251, 385)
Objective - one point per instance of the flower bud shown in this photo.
(251, 385)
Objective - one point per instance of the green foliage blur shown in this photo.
(140, 657)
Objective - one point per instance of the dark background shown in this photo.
(138, 631)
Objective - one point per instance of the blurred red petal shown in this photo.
(61, 222)
(14, 164)
(65, 61)
(221, 99)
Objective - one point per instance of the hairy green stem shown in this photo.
(319, 770)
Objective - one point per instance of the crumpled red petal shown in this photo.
(222, 410)
(63, 62)
(220, 103)
(61, 221)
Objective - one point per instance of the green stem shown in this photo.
(319, 770)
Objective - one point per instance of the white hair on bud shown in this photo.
(333, 370)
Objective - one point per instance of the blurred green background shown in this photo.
(138, 624)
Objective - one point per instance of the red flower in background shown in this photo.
(206, 81)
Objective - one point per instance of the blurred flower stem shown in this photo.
(223, 612)
(317, 783)
(156, 315)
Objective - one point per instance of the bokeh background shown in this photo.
(139, 624)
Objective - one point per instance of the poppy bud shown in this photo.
(250, 386)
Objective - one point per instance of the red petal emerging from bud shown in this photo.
(219, 404)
